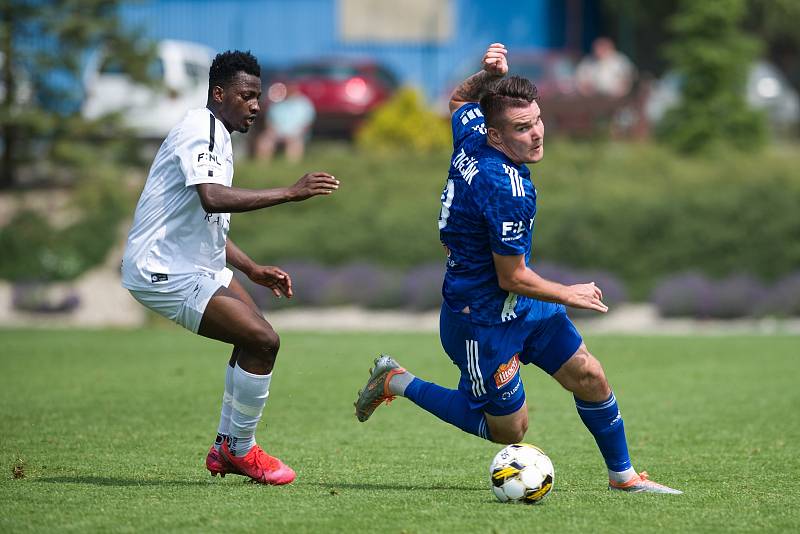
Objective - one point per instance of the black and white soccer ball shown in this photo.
(521, 473)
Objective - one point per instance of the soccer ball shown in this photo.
(521, 473)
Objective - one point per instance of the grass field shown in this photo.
(109, 430)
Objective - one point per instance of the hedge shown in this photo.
(637, 211)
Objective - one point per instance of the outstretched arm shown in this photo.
(494, 67)
(274, 278)
(514, 276)
(217, 198)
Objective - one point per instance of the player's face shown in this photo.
(239, 106)
(521, 134)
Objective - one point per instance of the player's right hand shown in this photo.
(587, 296)
(313, 184)
(494, 61)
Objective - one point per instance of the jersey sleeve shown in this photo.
(200, 156)
(509, 217)
(467, 122)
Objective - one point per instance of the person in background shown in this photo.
(605, 71)
(289, 119)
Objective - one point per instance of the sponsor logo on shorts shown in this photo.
(158, 277)
(506, 371)
(508, 394)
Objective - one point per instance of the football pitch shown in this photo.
(108, 431)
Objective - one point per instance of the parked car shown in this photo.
(767, 89)
(343, 91)
(180, 73)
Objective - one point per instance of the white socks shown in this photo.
(399, 382)
(250, 393)
(620, 477)
(225, 415)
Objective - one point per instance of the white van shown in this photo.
(181, 70)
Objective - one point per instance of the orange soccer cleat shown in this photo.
(377, 389)
(258, 465)
(642, 484)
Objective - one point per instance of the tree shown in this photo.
(42, 46)
(712, 55)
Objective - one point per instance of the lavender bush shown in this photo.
(783, 298)
(739, 295)
(364, 284)
(687, 294)
(422, 287)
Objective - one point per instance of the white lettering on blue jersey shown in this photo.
(447, 201)
(517, 189)
(466, 165)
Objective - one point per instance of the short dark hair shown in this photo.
(227, 64)
(511, 92)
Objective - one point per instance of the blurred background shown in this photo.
(670, 178)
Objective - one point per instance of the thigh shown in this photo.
(502, 427)
(551, 342)
(583, 375)
(231, 319)
(241, 293)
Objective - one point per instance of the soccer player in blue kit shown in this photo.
(497, 312)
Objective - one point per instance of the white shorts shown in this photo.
(183, 299)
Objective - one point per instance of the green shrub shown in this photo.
(712, 55)
(404, 123)
(37, 251)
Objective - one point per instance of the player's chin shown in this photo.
(537, 154)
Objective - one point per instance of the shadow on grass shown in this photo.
(119, 482)
(400, 487)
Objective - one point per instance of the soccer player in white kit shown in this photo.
(177, 250)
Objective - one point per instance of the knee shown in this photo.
(265, 341)
(591, 379)
(513, 433)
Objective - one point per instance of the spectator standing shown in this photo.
(605, 71)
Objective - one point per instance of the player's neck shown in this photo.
(500, 148)
(214, 109)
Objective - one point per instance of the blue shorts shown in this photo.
(489, 356)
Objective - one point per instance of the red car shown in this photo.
(343, 91)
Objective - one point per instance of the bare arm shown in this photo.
(514, 276)
(274, 278)
(236, 257)
(495, 67)
(217, 198)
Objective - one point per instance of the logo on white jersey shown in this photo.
(207, 163)
(517, 188)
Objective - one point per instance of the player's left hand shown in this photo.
(494, 61)
(274, 278)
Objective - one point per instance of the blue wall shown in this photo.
(282, 32)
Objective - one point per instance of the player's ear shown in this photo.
(217, 94)
(493, 134)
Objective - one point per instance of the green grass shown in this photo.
(111, 428)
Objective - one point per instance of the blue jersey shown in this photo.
(488, 205)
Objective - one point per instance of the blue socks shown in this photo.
(449, 405)
(605, 423)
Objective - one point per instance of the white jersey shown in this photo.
(172, 235)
